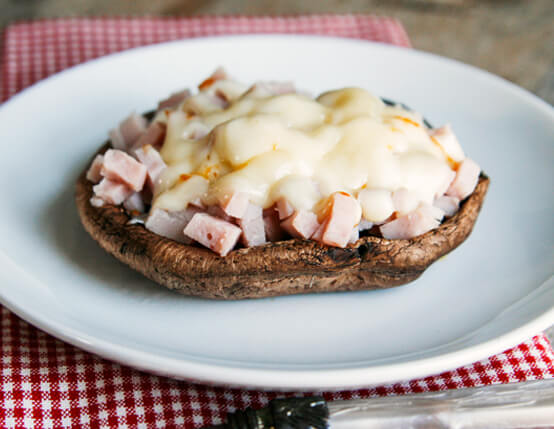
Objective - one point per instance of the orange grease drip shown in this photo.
(206, 83)
(408, 121)
(453, 164)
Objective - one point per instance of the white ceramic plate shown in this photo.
(493, 292)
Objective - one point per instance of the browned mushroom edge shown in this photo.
(281, 268)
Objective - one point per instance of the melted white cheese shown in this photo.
(295, 147)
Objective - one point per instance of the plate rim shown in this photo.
(280, 379)
(284, 379)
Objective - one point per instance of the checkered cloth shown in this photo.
(46, 383)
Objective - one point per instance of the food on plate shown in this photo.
(242, 191)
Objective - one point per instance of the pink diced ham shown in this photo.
(449, 176)
(236, 205)
(449, 143)
(272, 223)
(449, 205)
(318, 234)
(220, 74)
(302, 224)
(174, 99)
(467, 176)
(432, 211)
(134, 203)
(132, 128)
(171, 224)
(128, 131)
(253, 227)
(93, 173)
(252, 212)
(216, 234)
(154, 136)
(120, 167)
(153, 162)
(112, 192)
(116, 139)
(284, 208)
(217, 211)
(343, 216)
(415, 223)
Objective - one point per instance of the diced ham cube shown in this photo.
(128, 132)
(216, 234)
(411, 225)
(273, 230)
(93, 173)
(344, 215)
(318, 234)
(466, 179)
(174, 99)
(432, 211)
(302, 224)
(117, 140)
(171, 224)
(120, 167)
(284, 208)
(218, 212)
(132, 128)
(448, 141)
(404, 201)
(449, 176)
(153, 162)
(449, 205)
(154, 136)
(112, 192)
(220, 74)
(252, 212)
(236, 205)
(134, 203)
(253, 227)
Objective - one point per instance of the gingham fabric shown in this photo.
(46, 383)
(35, 50)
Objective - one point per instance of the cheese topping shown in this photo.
(296, 147)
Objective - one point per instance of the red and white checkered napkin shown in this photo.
(48, 384)
(36, 50)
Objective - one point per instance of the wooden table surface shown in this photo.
(511, 38)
